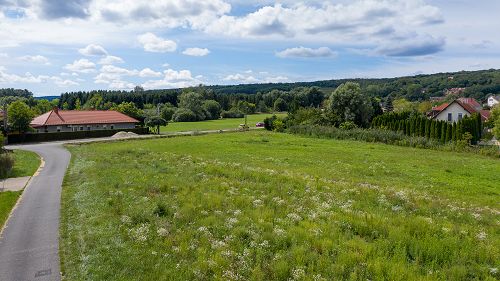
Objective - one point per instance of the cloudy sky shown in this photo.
(56, 46)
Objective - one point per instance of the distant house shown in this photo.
(493, 100)
(458, 109)
(73, 120)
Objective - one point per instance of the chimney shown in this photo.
(56, 109)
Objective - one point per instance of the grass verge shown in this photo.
(25, 164)
(269, 206)
(7, 201)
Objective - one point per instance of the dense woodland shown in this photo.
(478, 84)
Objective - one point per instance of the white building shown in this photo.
(493, 100)
(458, 109)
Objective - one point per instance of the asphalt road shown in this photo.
(30, 241)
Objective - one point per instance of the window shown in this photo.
(58, 128)
(88, 127)
(81, 128)
(460, 116)
(112, 127)
(450, 117)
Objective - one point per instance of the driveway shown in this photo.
(29, 243)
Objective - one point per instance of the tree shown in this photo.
(78, 104)
(167, 112)
(138, 89)
(424, 107)
(246, 107)
(193, 102)
(42, 106)
(184, 115)
(20, 116)
(349, 104)
(212, 109)
(129, 109)
(495, 121)
(155, 122)
(280, 105)
(402, 105)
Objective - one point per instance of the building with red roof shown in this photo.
(458, 109)
(75, 120)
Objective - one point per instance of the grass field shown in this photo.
(221, 124)
(26, 163)
(268, 206)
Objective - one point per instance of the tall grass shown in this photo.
(390, 137)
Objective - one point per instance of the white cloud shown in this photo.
(240, 78)
(4, 55)
(173, 79)
(7, 78)
(81, 65)
(153, 43)
(302, 52)
(196, 52)
(418, 46)
(93, 50)
(148, 72)
(111, 60)
(248, 78)
(35, 59)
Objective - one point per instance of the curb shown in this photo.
(37, 172)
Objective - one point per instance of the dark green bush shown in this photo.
(232, 114)
(184, 115)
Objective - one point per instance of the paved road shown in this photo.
(30, 241)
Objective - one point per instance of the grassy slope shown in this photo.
(26, 163)
(267, 206)
(232, 123)
(7, 200)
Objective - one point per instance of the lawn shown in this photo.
(269, 206)
(220, 124)
(7, 201)
(26, 163)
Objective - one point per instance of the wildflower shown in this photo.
(257, 203)
(397, 208)
(162, 232)
(140, 233)
(493, 270)
(126, 219)
(481, 235)
(279, 232)
(298, 273)
(294, 217)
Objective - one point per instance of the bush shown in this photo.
(184, 115)
(269, 122)
(232, 114)
(348, 125)
(6, 164)
(167, 112)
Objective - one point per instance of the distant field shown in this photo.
(267, 206)
(221, 124)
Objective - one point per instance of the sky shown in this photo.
(51, 47)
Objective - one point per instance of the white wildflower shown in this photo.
(298, 273)
(162, 232)
(294, 217)
(481, 235)
(126, 219)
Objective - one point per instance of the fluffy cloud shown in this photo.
(352, 19)
(148, 72)
(35, 59)
(8, 78)
(173, 79)
(249, 78)
(153, 43)
(111, 60)
(81, 65)
(93, 50)
(302, 52)
(419, 46)
(196, 52)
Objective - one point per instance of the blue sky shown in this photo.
(50, 47)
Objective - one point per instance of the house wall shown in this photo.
(90, 127)
(454, 109)
(492, 101)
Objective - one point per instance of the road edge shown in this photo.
(40, 168)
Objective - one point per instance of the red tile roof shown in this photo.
(469, 104)
(76, 117)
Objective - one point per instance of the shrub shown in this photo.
(268, 122)
(184, 115)
(232, 114)
(348, 125)
(6, 164)
(167, 112)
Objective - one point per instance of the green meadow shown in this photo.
(269, 206)
(221, 124)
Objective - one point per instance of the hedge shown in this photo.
(41, 137)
